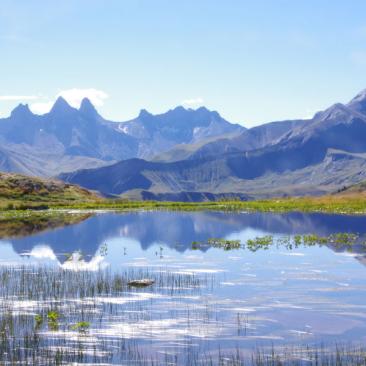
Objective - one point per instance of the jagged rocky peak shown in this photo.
(179, 109)
(22, 110)
(206, 111)
(144, 113)
(345, 113)
(361, 96)
(335, 111)
(61, 106)
(87, 108)
(201, 112)
(358, 103)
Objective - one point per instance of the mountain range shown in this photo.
(67, 139)
(187, 154)
(314, 156)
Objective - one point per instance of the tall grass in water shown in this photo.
(46, 313)
(45, 283)
(56, 317)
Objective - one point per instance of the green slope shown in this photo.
(20, 191)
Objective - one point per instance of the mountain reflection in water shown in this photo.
(176, 230)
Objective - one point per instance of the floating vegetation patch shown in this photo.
(224, 243)
(52, 318)
(259, 243)
(337, 240)
(81, 326)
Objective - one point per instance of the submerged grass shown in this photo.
(303, 355)
(46, 314)
(50, 316)
(44, 283)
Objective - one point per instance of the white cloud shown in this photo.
(42, 251)
(7, 98)
(41, 104)
(77, 263)
(194, 102)
(73, 97)
(41, 107)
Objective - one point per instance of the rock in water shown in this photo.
(141, 283)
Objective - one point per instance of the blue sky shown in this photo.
(253, 61)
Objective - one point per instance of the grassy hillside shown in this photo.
(20, 191)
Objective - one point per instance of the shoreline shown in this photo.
(343, 205)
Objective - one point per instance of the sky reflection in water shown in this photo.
(309, 294)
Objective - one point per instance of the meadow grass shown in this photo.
(350, 204)
(346, 203)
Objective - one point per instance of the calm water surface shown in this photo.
(309, 295)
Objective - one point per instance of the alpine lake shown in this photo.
(184, 288)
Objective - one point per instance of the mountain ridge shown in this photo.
(332, 144)
(67, 138)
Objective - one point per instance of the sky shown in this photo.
(252, 61)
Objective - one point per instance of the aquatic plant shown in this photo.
(103, 250)
(288, 242)
(74, 312)
(52, 318)
(226, 244)
(39, 321)
(259, 242)
(82, 326)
